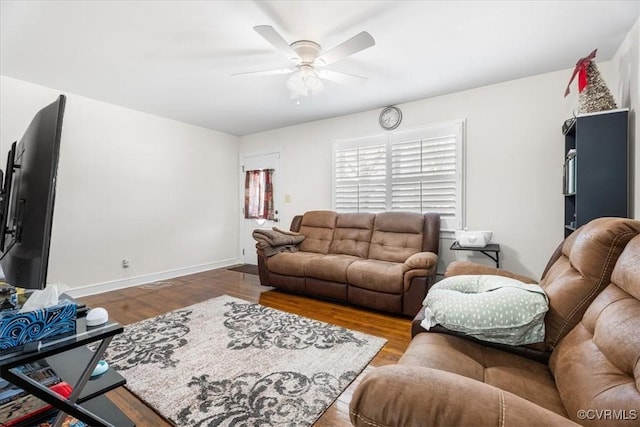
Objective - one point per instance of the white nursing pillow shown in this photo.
(488, 307)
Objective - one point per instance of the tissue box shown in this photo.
(20, 328)
(473, 239)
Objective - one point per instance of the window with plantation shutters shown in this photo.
(420, 170)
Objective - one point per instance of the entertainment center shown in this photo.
(53, 336)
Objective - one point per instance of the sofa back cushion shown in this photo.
(318, 228)
(597, 365)
(352, 235)
(396, 236)
(581, 271)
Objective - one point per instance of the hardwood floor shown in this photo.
(141, 302)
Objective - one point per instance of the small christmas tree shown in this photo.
(594, 93)
(596, 96)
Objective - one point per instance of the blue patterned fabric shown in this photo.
(20, 328)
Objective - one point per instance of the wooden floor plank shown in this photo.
(137, 303)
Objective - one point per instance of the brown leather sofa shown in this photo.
(592, 376)
(383, 261)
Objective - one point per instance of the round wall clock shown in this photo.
(390, 118)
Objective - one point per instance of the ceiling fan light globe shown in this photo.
(310, 79)
(312, 82)
(296, 85)
(294, 81)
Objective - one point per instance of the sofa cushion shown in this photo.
(396, 236)
(487, 307)
(352, 235)
(606, 345)
(330, 267)
(291, 263)
(317, 227)
(380, 276)
(582, 271)
(521, 376)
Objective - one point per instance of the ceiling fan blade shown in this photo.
(266, 72)
(272, 36)
(344, 78)
(355, 44)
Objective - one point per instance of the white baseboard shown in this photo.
(98, 288)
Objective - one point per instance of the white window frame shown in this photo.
(455, 128)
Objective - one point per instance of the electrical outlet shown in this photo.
(125, 263)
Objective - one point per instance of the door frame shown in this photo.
(278, 193)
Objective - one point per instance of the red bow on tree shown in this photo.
(581, 70)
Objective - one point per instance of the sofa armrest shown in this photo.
(296, 223)
(458, 268)
(402, 395)
(422, 261)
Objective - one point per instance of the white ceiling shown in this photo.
(174, 58)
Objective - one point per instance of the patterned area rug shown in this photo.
(227, 362)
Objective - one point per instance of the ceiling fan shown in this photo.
(307, 58)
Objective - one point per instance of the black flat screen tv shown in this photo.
(28, 196)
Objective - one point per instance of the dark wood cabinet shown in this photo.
(596, 169)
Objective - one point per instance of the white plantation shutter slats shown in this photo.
(360, 179)
(423, 175)
(424, 196)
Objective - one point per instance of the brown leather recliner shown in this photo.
(592, 336)
(571, 280)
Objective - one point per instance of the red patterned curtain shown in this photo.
(258, 194)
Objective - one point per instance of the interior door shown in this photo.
(254, 162)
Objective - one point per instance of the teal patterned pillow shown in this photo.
(490, 308)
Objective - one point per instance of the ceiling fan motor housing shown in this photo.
(307, 50)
